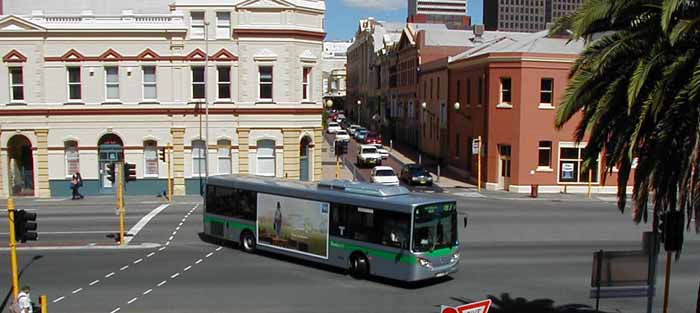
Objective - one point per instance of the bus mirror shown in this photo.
(465, 222)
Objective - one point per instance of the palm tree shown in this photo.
(636, 86)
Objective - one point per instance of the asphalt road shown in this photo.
(530, 249)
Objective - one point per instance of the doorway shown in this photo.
(21, 166)
(504, 167)
(304, 157)
(110, 150)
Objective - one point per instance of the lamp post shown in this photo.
(206, 100)
(359, 110)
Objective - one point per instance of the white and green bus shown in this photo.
(365, 228)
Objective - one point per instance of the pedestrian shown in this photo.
(24, 301)
(80, 185)
(74, 186)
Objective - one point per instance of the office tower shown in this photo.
(452, 13)
(525, 15)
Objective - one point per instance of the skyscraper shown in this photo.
(452, 13)
(525, 15)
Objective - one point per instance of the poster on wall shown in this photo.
(567, 171)
(294, 225)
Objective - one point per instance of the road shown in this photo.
(530, 249)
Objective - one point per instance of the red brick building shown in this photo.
(507, 91)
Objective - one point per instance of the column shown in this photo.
(178, 135)
(291, 153)
(243, 150)
(42, 153)
(3, 172)
(318, 146)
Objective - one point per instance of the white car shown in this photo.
(333, 127)
(384, 175)
(368, 156)
(340, 117)
(342, 135)
(353, 128)
(382, 151)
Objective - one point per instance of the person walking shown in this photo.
(74, 186)
(80, 185)
(24, 302)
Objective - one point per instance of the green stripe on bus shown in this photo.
(442, 252)
(392, 256)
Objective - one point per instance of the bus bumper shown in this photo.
(423, 273)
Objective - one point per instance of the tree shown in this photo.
(636, 86)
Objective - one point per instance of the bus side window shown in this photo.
(339, 222)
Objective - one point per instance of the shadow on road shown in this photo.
(508, 304)
(21, 271)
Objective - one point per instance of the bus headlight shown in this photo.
(424, 263)
(455, 257)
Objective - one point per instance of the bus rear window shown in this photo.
(231, 202)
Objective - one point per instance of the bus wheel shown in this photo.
(359, 266)
(248, 242)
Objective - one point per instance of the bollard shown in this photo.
(534, 192)
(391, 145)
(438, 173)
(43, 301)
(420, 158)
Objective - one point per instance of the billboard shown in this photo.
(294, 225)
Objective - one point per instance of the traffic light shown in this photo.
(111, 173)
(25, 226)
(129, 172)
(162, 154)
(671, 230)
(341, 148)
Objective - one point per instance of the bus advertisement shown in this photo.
(292, 224)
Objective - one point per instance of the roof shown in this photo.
(445, 37)
(504, 42)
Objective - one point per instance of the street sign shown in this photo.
(567, 170)
(475, 146)
(474, 307)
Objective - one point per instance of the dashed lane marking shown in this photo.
(116, 310)
(124, 267)
(162, 283)
(161, 249)
(109, 275)
(77, 290)
(150, 254)
(198, 261)
(132, 300)
(147, 291)
(174, 275)
(138, 261)
(219, 248)
(97, 281)
(187, 268)
(58, 299)
(209, 254)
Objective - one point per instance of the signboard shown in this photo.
(475, 307)
(567, 171)
(294, 225)
(475, 146)
(623, 274)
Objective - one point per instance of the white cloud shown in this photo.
(382, 5)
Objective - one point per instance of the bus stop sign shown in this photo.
(474, 307)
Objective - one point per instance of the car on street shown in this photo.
(384, 175)
(361, 134)
(352, 129)
(382, 151)
(333, 127)
(342, 135)
(340, 117)
(415, 174)
(345, 124)
(373, 138)
(368, 155)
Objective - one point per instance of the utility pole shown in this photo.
(478, 188)
(206, 100)
(13, 246)
(168, 151)
(120, 201)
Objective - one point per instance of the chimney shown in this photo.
(478, 33)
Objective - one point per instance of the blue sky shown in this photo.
(342, 16)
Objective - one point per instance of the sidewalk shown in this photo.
(328, 165)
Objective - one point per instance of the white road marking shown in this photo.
(161, 249)
(187, 268)
(138, 261)
(198, 261)
(150, 254)
(162, 283)
(132, 300)
(74, 232)
(124, 267)
(167, 243)
(177, 228)
(116, 310)
(87, 247)
(94, 282)
(209, 254)
(180, 224)
(219, 248)
(142, 223)
(171, 238)
(175, 275)
(109, 275)
(174, 232)
(58, 299)
(77, 290)
(147, 291)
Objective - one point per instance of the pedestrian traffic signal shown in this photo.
(341, 148)
(111, 173)
(671, 230)
(25, 226)
(162, 154)
(129, 172)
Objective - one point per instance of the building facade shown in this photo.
(452, 13)
(84, 90)
(525, 15)
(334, 71)
(507, 94)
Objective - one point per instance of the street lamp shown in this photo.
(457, 105)
(359, 110)
(329, 103)
(424, 105)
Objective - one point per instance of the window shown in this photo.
(223, 25)
(305, 83)
(197, 25)
(16, 84)
(223, 155)
(224, 82)
(570, 163)
(74, 88)
(149, 83)
(72, 158)
(544, 158)
(112, 83)
(546, 91)
(469, 91)
(199, 153)
(266, 158)
(198, 86)
(150, 158)
(370, 225)
(505, 90)
(265, 76)
(231, 202)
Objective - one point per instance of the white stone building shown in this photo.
(335, 58)
(85, 88)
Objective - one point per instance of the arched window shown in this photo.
(199, 153)
(266, 158)
(150, 158)
(72, 157)
(224, 156)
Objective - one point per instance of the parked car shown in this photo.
(340, 117)
(361, 134)
(342, 135)
(345, 124)
(415, 174)
(352, 129)
(333, 127)
(368, 156)
(382, 151)
(373, 138)
(384, 175)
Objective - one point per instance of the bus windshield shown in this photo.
(435, 227)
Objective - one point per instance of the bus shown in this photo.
(367, 229)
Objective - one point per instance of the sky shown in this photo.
(343, 16)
